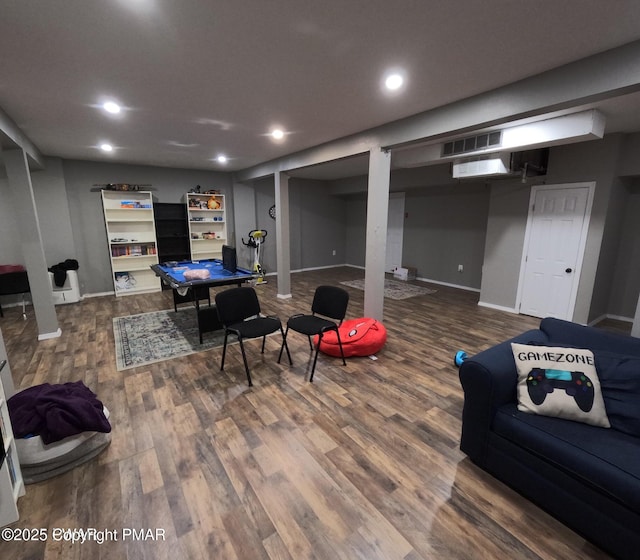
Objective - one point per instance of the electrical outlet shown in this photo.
(334, 252)
(460, 268)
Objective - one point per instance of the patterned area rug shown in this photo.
(394, 289)
(160, 335)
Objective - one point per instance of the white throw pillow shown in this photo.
(559, 382)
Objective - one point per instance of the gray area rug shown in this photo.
(394, 289)
(160, 335)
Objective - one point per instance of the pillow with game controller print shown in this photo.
(559, 382)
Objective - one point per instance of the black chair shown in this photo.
(328, 301)
(239, 313)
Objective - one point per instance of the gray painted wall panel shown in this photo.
(506, 225)
(626, 280)
(446, 227)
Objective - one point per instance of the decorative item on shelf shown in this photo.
(195, 190)
(120, 187)
(195, 236)
(194, 203)
(208, 235)
(212, 191)
(134, 204)
(213, 203)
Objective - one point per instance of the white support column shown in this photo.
(30, 239)
(376, 245)
(283, 244)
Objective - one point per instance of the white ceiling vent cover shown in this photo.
(495, 164)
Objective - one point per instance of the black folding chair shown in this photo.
(328, 301)
(239, 313)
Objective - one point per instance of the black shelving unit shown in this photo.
(172, 232)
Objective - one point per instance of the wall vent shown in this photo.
(472, 143)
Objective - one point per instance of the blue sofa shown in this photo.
(587, 477)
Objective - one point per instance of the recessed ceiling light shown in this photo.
(106, 147)
(277, 133)
(222, 159)
(393, 82)
(111, 107)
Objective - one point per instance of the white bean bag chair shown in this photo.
(40, 461)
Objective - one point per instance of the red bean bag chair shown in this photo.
(359, 337)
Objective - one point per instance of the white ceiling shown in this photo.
(199, 78)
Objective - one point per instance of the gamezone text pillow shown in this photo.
(560, 382)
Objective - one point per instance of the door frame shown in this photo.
(591, 186)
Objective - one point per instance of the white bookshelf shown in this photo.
(131, 234)
(11, 482)
(206, 214)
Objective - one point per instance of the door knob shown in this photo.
(569, 270)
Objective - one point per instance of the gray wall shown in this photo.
(506, 225)
(445, 224)
(610, 278)
(50, 194)
(10, 250)
(87, 221)
(71, 217)
(317, 224)
(477, 224)
(446, 227)
(356, 229)
(625, 286)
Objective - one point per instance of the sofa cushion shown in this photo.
(559, 382)
(606, 459)
(620, 381)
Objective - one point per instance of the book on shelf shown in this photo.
(133, 250)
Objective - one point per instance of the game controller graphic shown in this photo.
(541, 382)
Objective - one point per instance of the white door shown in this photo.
(395, 231)
(556, 233)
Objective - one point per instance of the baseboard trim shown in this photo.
(498, 307)
(449, 285)
(47, 336)
(284, 296)
(610, 316)
(319, 268)
(99, 294)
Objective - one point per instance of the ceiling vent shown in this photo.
(482, 166)
(472, 143)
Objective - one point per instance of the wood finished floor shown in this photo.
(361, 464)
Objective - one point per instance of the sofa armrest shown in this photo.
(489, 381)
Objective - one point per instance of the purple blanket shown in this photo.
(55, 412)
